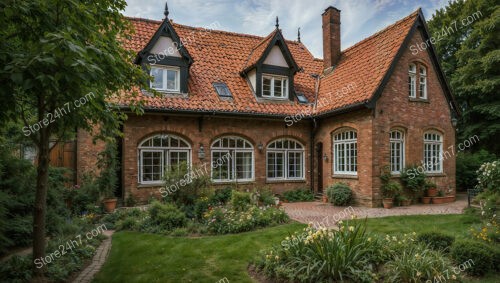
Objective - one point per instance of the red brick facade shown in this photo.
(392, 109)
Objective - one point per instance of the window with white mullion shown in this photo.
(285, 160)
(396, 139)
(423, 83)
(274, 86)
(433, 153)
(345, 153)
(232, 159)
(165, 78)
(412, 81)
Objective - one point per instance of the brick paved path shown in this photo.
(100, 256)
(316, 212)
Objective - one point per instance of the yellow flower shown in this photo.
(351, 228)
(418, 273)
(369, 239)
(453, 277)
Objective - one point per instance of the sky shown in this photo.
(359, 18)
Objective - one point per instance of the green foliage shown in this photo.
(263, 196)
(480, 254)
(470, 59)
(298, 195)
(436, 240)
(339, 194)
(413, 178)
(391, 189)
(85, 196)
(183, 185)
(17, 269)
(108, 164)
(467, 165)
(111, 220)
(323, 256)
(221, 196)
(224, 220)
(488, 176)
(240, 200)
(166, 216)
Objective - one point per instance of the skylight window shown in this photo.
(301, 97)
(222, 90)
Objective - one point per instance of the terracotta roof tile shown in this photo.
(219, 56)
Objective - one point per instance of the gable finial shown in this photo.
(166, 9)
(277, 22)
(298, 34)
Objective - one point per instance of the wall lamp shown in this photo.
(260, 146)
(325, 157)
(201, 152)
(454, 122)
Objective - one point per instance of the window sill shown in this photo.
(167, 93)
(232, 182)
(344, 176)
(423, 100)
(152, 185)
(285, 181)
(436, 174)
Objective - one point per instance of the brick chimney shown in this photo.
(331, 37)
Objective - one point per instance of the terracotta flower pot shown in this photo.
(388, 203)
(110, 204)
(432, 192)
(445, 199)
(325, 199)
(426, 200)
(406, 202)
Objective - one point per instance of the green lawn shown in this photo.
(138, 257)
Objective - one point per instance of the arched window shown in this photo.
(423, 83)
(159, 153)
(232, 160)
(397, 143)
(433, 152)
(412, 81)
(345, 153)
(285, 160)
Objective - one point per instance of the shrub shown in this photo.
(322, 256)
(339, 194)
(391, 189)
(223, 220)
(194, 183)
(298, 195)
(479, 253)
(111, 220)
(240, 200)
(167, 216)
(264, 196)
(179, 232)
(488, 176)
(413, 178)
(436, 240)
(416, 263)
(221, 196)
(467, 165)
(200, 207)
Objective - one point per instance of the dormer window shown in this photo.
(274, 86)
(165, 79)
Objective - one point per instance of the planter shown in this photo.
(110, 204)
(406, 202)
(432, 192)
(426, 200)
(325, 199)
(388, 203)
(440, 200)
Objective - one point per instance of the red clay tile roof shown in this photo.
(219, 56)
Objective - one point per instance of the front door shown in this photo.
(319, 163)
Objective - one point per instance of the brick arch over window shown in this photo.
(285, 159)
(232, 159)
(158, 153)
(345, 151)
(156, 133)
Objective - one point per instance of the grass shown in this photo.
(454, 225)
(138, 257)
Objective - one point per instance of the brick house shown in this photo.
(287, 119)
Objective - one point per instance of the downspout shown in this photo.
(313, 130)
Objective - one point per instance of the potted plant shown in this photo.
(442, 198)
(389, 191)
(108, 180)
(414, 180)
(426, 200)
(325, 198)
(430, 189)
(405, 201)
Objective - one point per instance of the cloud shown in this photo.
(360, 18)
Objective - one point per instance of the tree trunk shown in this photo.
(41, 205)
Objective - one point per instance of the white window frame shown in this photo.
(340, 140)
(433, 147)
(232, 150)
(412, 80)
(164, 74)
(284, 86)
(285, 152)
(397, 162)
(422, 85)
(165, 150)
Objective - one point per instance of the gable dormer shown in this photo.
(270, 68)
(166, 59)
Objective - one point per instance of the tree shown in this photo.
(62, 64)
(470, 58)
